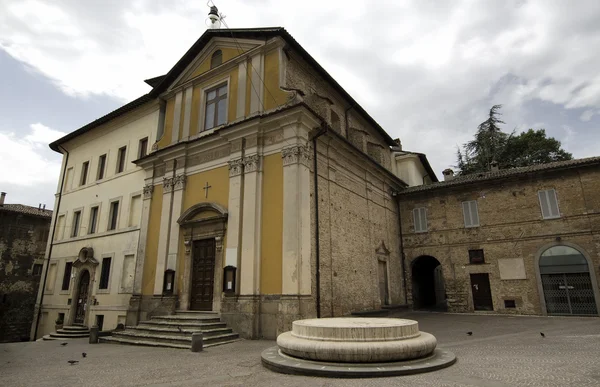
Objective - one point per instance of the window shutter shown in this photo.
(417, 219)
(466, 213)
(474, 214)
(423, 219)
(553, 203)
(420, 219)
(543, 196)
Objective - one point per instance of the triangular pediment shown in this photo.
(230, 48)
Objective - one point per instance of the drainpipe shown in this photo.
(321, 131)
(402, 256)
(62, 184)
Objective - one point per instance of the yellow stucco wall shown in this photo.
(195, 112)
(218, 179)
(152, 241)
(275, 96)
(272, 225)
(228, 53)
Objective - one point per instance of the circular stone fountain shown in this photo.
(356, 347)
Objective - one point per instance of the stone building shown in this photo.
(523, 240)
(23, 237)
(262, 168)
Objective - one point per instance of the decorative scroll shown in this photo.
(296, 154)
(235, 167)
(148, 189)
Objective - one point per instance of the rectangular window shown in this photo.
(76, 219)
(37, 269)
(93, 220)
(471, 213)
(67, 276)
(105, 273)
(476, 256)
(121, 159)
(101, 167)
(113, 215)
(143, 147)
(84, 172)
(420, 219)
(135, 211)
(549, 204)
(216, 107)
(60, 228)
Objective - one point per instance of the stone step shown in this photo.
(69, 336)
(68, 332)
(196, 312)
(149, 343)
(207, 332)
(183, 325)
(171, 338)
(75, 328)
(186, 318)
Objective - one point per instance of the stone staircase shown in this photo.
(69, 332)
(175, 331)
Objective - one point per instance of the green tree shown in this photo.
(509, 151)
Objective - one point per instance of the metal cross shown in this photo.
(205, 188)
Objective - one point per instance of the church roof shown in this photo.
(473, 178)
(161, 83)
(28, 210)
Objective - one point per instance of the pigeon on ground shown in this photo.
(73, 362)
(470, 333)
(63, 344)
(84, 354)
(542, 334)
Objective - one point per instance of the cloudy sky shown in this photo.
(427, 71)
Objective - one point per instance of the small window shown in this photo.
(509, 304)
(113, 215)
(216, 59)
(105, 273)
(143, 147)
(37, 269)
(121, 159)
(67, 276)
(549, 204)
(76, 220)
(84, 172)
(420, 219)
(101, 167)
(471, 213)
(476, 256)
(93, 220)
(216, 107)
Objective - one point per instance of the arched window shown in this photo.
(216, 59)
(335, 121)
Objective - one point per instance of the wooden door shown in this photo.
(82, 296)
(203, 275)
(482, 294)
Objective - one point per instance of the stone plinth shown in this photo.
(356, 340)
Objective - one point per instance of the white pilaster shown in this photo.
(176, 117)
(187, 112)
(141, 249)
(163, 239)
(296, 277)
(241, 101)
(251, 228)
(233, 209)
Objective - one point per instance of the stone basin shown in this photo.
(356, 340)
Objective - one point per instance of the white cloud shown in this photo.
(28, 161)
(587, 115)
(427, 71)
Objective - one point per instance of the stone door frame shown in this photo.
(538, 275)
(211, 227)
(84, 262)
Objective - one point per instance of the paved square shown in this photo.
(503, 351)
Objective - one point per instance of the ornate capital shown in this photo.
(252, 163)
(154, 147)
(296, 154)
(235, 167)
(179, 182)
(168, 184)
(148, 189)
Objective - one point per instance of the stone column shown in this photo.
(251, 227)
(165, 221)
(178, 190)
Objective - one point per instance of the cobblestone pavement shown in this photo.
(503, 351)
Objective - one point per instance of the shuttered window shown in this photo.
(470, 213)
(420, 219)
(549, 204)
(105, 273)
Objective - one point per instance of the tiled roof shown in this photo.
(503, 173)
(26, 210)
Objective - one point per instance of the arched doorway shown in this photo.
(82, 297)
(428, 290)
(567, 285)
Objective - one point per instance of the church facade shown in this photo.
(267, 195)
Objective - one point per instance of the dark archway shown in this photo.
(428, 291)
(82, 298)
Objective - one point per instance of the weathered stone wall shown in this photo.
(511, 226)
(22, 244)
(358, 228)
